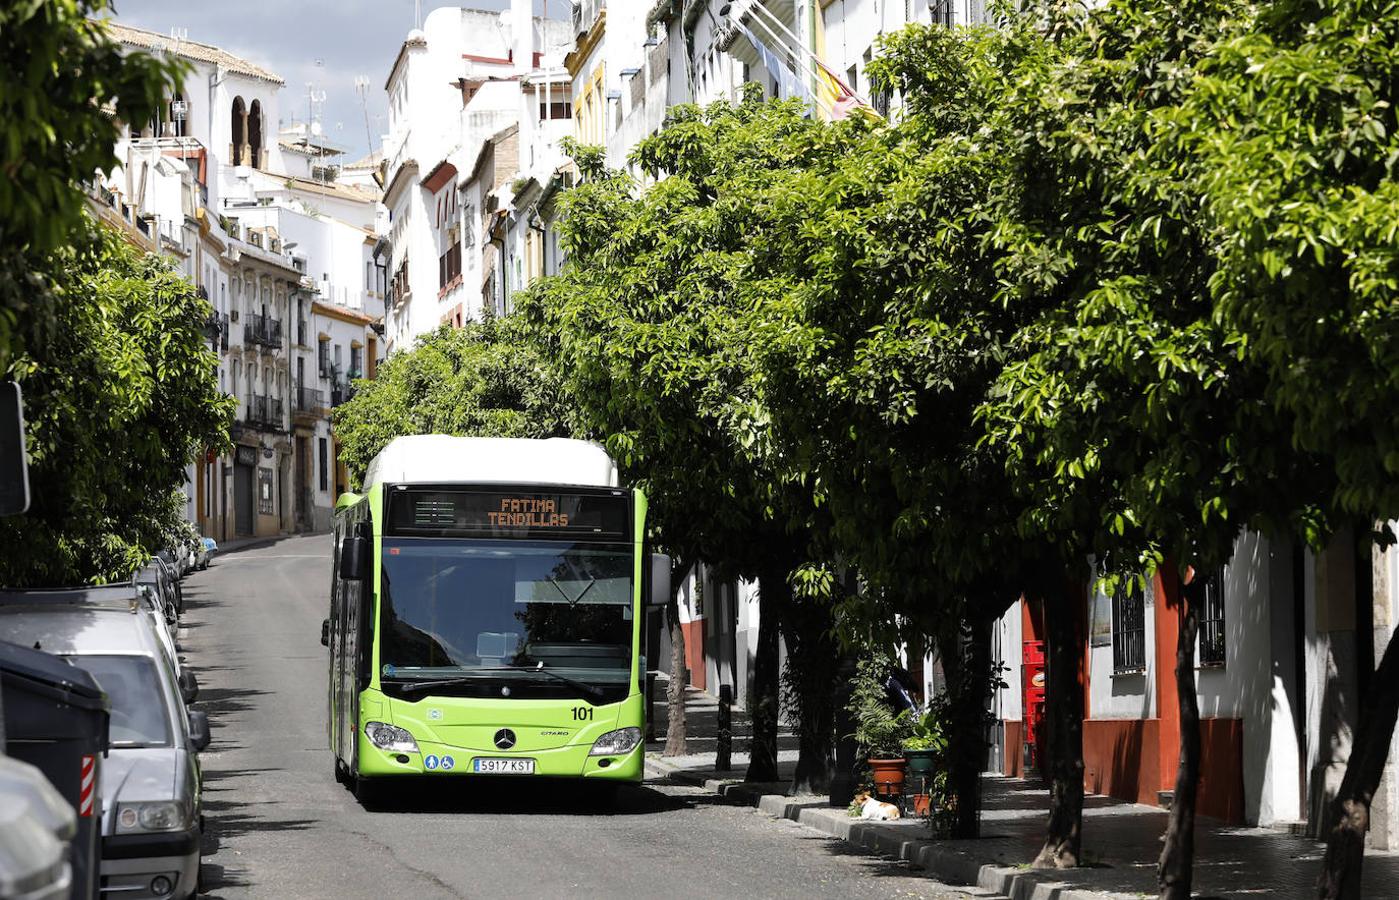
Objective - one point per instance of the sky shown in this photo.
(328, 42)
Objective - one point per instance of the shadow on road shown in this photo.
(520, 797)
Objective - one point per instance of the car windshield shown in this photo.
(453, 607)
(139, 714)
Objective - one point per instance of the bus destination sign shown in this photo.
(510, 514)
(528, 512)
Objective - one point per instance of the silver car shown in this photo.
(152, 810)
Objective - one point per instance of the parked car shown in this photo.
(155, 576)
(152, 819)
(169, 557)
(160, 575)
(207, 548)
(37, 827)
(138, 598)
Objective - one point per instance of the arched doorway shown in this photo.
(240, 132)
(255, 135)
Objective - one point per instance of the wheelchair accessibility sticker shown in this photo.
(432, 763)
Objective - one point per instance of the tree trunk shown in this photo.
(679, 676)
(1350, 811)
(1063, 842)
(966, 664)
(772, 595)
(1175, 871)
(810, 681)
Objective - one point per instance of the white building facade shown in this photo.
(266, 236)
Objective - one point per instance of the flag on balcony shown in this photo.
(838, 97)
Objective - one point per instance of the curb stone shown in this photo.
(899, 840)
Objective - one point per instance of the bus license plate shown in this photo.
(504, 766)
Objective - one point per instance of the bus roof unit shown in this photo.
(442, 459)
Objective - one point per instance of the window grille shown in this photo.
(1212, 641)
(941, 12)
(1128, 628)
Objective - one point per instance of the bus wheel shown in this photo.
(342, 775)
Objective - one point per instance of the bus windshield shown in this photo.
(501, 608)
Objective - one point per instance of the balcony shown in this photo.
(342, 392)
(216, 328)
(263, 330)
(308, 401)
(264, 412)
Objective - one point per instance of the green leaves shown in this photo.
(482, 380)
(65, 89)
(118, 400)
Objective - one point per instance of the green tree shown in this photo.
(118, 400)
(1155, 395)
(65, 89)
(1288, 137)
(481, 380)
(646, 327)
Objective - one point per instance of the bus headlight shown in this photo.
(616, 743)
(390, 738)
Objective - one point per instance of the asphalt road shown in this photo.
(279, 826)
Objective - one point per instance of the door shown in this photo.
(243, 500)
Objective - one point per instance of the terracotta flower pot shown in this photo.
(921, 804)
(888, 776)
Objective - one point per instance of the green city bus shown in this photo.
(486, 614)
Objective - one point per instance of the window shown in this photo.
(356, 360)
(265, 503)
(557, 109)
(941, 12)
(449, 263)
(324, 466)
(323, 357)
(1128, 628)
(1212, 645)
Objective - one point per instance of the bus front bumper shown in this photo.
(439, 760)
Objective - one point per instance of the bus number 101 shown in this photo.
(582, 713)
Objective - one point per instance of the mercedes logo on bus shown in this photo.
(505, 738)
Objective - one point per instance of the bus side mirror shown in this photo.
(660, 580)
(354, 558)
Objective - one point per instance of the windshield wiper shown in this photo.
(587, 689)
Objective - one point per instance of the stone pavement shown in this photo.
(1121, 840)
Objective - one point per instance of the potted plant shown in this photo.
(925, 748)
(879, 730)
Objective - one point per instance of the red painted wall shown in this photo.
(694, 651)
(1014, 762)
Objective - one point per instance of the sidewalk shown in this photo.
(1121, 840)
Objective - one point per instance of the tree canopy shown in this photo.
(65, 88)
(119, 399)
(480, 380)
